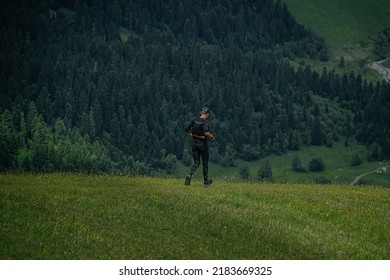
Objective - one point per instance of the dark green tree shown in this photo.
(356, 160)
(382, 44)
(244, 172)
(8, 141)
(297, 164)
(40, 145)
(316, 165)
(265, 171)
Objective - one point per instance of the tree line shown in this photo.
(102, 86)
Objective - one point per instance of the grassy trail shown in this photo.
(61, 216)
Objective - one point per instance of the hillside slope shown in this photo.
(343, 22)
(349, 28)
(82, 217)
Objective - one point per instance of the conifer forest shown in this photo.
(108, 86)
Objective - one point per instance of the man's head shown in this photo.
(205, 112)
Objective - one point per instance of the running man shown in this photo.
(199, 128)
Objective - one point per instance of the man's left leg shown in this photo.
(205, 160)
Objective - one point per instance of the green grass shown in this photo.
(343, 22)
(349, 28)
(64, 216)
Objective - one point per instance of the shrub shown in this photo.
(244, 172)
(356, 160)
(316, 165)
(322, 180)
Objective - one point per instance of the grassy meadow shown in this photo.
(342, 23)
(69, 216)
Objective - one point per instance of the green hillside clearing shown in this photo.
(349, 28)
(343, 23)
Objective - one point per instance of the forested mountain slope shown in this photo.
(94, 85)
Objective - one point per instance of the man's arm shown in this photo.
(189, 126)
(209, 135)
(207, 132)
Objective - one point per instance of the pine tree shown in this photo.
(244, 172)
(8, 140)
(297, 164)
(187, 159)
(39, 145)
(265, 171)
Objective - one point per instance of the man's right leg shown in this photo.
(194, 167)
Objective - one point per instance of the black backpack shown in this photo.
(198, 125)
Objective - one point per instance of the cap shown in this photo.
(205, 110)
